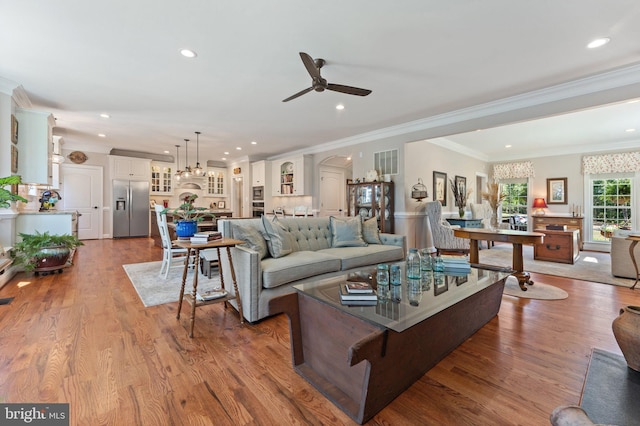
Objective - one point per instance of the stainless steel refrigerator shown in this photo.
(130, 208)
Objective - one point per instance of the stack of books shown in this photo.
(357, 293)
(456, 265)
(205, 237)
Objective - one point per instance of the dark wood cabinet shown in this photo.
(572, 222)
(558, 246)
(369, 199)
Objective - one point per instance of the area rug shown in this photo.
(154, 290)
(611, 389)
(536, 291)
(591, 266)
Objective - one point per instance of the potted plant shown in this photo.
(494, 197)
(460, 196)
(607, 230)
(6, 196)
(42, 252)
(186, 216)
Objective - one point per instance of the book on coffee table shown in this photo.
(354, 287)
(345, 296)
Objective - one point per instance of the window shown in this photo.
(386, 162)
(611, 206)
(515, 200)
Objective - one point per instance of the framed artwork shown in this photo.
(14, 129)
(440, 187)
(14, 159)
(438, 289)
(461, 183)
(557, 191)
(221, 205)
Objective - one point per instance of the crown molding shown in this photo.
(21, 98)
(572, 90)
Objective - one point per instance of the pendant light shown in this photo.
(187, 168)
(197, 170)
(178, 174)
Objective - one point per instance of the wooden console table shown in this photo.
(572, 222)
(193, 250)
(517, 238)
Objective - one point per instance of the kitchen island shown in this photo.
(56, 222)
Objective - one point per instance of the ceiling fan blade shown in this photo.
(300, 93)
(310, 65)
(348, 89)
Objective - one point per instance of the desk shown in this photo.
(194, 250)
(465, 223)
(517, 238)
(634, 242)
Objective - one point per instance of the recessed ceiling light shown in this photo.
(105, 115)
(224, 158)
(226, 153)
(598, 42)
(507, 146)
(165, 151)
(188, 53)
(630, 130)
(238, 148)
(340, 107)
(102, 135)
(254, 143)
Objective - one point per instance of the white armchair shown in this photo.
(441, 231)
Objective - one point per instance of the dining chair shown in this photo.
(300, 211)
(171, 256)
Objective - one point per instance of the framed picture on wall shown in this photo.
(14, 129)
(221, 205)
(440, 187)
(14, 159)
(557, 191)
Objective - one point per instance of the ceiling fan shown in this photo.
(319, 84)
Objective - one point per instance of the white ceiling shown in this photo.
(421, 58)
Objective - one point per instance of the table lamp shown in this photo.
(540, 205)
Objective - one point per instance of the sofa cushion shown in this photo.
(370, 232)
(279, 240)
(296, 266)
(253, 239)
(346, 232)
(355, 257)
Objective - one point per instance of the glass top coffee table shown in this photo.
(362, 357)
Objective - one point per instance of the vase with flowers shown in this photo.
(460, 195)
(494, 197)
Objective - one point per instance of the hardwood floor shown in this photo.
(84, 337)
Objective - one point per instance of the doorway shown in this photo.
(238, 195)
(333, 173)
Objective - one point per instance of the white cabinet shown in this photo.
(35, 144)
(259, 173)
(292, 176)
(161, 178)
(129, 168)
(216, 182)
(56, 223)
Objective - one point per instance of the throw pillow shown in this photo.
(370, 232)
(346, 232)
(278, 238)
(252, 237)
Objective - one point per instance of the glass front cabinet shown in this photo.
(216, 181)
(372, 199)
(161, 178)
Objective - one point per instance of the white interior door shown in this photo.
(82, 191)
(332, 192)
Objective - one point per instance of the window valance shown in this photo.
(611, 163)
(513, 170)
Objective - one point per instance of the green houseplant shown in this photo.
(186, 216)
(6, 196)
(42, 252)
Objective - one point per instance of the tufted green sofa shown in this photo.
(312, 258)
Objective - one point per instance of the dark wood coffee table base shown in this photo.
(361, 367)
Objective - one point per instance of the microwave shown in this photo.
(258, 192)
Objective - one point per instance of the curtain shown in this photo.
(611, 163)
(513, 170)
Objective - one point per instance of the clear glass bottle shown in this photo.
(413, 264)
(382, 281)
(438, 271)
(395, 275)
(414, 291)
(425, 268)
